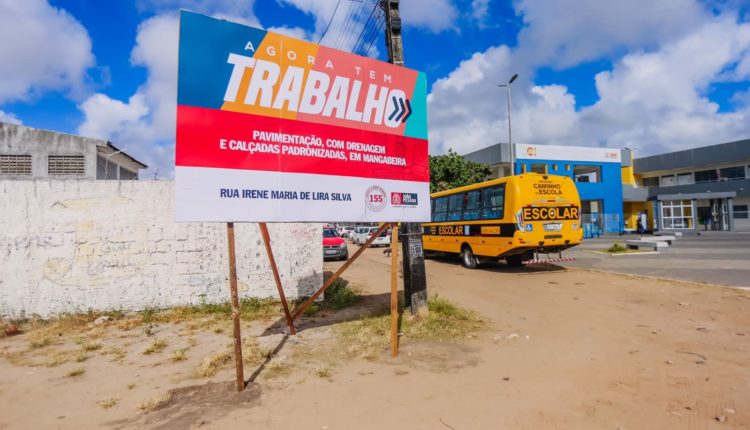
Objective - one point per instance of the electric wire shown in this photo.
(329, 22)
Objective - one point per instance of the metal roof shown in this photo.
(722, 153)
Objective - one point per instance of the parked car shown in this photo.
(361, 237)
(333, 245)
(383, 239)
(346, 231)
(361, 234)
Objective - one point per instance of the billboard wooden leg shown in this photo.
(235, 308)
(394, 290)
(338, 273)
(276, 277)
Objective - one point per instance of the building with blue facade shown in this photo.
(595, 171)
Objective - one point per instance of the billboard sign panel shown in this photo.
(276, 129)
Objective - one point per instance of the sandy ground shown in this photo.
(561, 349)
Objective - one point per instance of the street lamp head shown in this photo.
(513, 78)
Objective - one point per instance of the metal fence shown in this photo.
(596, 224)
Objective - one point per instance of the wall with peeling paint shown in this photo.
(75, 245)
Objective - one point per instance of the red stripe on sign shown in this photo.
(231, 140)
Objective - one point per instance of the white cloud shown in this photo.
(234, 10)
(656, 99)
(42, 48)
(434, 15)
(652, 100)
(296, 32)
(563, 33)
(9, 118)
(145, 125)
(479, 9)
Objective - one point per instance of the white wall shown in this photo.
(76, 245)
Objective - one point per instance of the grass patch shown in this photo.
(76, 372)
(81, 357)
(131, 386)
(40, 342)
(178, 355)
(277, 367)
(154, 402)
(253, 354)
(57, 359)
(157, 345)
(324, 372)
(108, 403)
(211, 364)
(340, 295)
(250, 309)
(369, 336)
(91, 346)
(311, 310)
(616, 247)
(116, 353)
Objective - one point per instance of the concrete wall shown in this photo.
(40, 144)
(76, 245)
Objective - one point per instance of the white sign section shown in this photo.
(567, 153)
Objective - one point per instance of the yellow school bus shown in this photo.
(509, 218)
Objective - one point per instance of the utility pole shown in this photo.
(415, 280)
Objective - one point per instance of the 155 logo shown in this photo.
(375, 198)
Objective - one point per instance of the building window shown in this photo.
(684, 179)
(540, 168)
(127, 175)
(66, 165)
(567, 167)
(441, 208)
(587, 173)
(706, 176)
(732, 173)
(677, 214)
(554, 167)
(106, 169)
(455, 207)
(740, 211)
(650, 182)
(473, 205)
(493, 200)
(667, 181)
(16, 165)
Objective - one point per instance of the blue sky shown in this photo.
(652, 76)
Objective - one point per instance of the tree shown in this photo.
(451, 170)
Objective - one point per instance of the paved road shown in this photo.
(720, 258)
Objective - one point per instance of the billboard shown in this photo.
(276, 129)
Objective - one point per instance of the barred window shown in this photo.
(127, 175)
(16, 165)
(66, 165)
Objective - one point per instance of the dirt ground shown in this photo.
(566, 349)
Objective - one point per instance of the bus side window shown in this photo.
(493, 199)
(455, 207)
(441, 207)
(473, 205)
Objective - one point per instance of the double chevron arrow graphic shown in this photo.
(400, 109)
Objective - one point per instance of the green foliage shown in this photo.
(451, 170)
(340, 295)
(616, 247)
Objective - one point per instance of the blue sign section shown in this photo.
(205, 45)
(529, 227)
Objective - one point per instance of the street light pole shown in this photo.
(511, 150)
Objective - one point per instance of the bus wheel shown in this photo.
(468, 259)
(515, 260)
